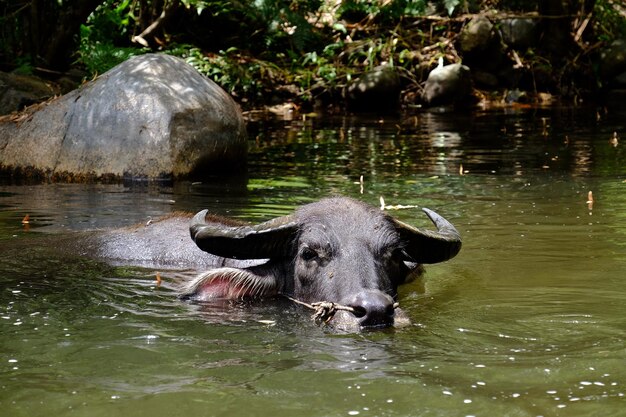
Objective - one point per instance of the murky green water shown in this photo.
(529, 320)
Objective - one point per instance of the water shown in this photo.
(529, 319)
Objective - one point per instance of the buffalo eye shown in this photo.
(308, 254)
(399, 255)
(396, 258)
(393, 254)
(402, 264)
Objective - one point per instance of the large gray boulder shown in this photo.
(152, 116)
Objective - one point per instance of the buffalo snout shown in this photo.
(373, 308)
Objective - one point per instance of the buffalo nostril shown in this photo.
(373, 308)
(358, 311)
(390, 310)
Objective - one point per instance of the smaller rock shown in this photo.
(486, 79)
(620, 80)
(477, 36)
(377, 91)
(447, 84)
(519, 33)
(516, 96)
(481, 46)
(71, 80)
(613, 62)
(18, 91)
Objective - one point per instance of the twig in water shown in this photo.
(383, 206)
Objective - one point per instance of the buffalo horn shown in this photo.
(429, 246)
(265, 240)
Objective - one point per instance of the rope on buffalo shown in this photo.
(324, 311)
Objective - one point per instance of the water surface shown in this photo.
(528, 320)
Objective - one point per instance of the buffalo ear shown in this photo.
(230, 284)
(429, 246)
(270, 239)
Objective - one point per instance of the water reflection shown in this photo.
(520, 143)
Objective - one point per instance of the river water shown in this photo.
(528, 320)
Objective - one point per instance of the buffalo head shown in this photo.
(337, 249)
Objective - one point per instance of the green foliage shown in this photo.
(305, 49)
(100, 57)
(384, 11)
(311, 46)
(107, 27)
(610, 20)
(24, 65)
(285, 22)
(319, 71)
(109, 23)
(239, 75)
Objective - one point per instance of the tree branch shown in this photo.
(154, 26)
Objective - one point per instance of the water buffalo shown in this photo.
(337, 249)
